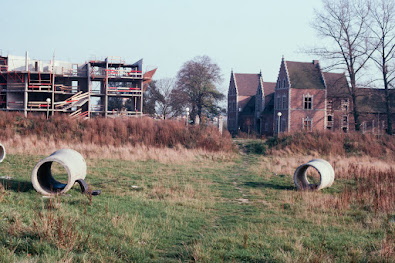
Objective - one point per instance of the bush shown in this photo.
(116, 132)
(256, 147)
(330, 143)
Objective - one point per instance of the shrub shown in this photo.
(116, 132)
(256, 147)
(330, 143)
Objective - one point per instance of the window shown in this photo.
(329, 125)
(307, 102)
(284, 102)
(278, 102)
(345, 120)
(345, 123)
(344, 104)
(266, 126)
(284, 83)
(307, 124)
(74, 85)
(75, 69)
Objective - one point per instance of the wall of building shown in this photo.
(297, 112)
(232, 107)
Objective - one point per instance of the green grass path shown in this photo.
(211, 210)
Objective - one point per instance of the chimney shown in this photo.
(316, 62)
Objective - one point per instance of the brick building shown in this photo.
(247, 100)
(303, 98)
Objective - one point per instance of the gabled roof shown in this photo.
(249, 106)
(247, 84)
(268, 87)
(243, 100)
(269, 104)
(304, 75)
(336, 84)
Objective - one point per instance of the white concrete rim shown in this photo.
(2, 152)
(300, 176)
(43, 190)
(42, 177)
(324, 169)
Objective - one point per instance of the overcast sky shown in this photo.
(246, 36)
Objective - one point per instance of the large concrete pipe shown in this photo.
(2, 152)
(325, 169)
(43, 180)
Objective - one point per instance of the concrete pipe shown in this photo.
(43, 180)
(325, 169)
(2, 152)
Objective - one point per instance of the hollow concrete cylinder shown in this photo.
(2, 152)
(325, 169)
(73, 163)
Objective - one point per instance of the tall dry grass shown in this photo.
(33, 145)
(144, 132)
(335, 144)
(371, 181)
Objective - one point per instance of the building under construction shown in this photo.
(108, 87)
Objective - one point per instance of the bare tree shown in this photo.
(149, 98)
(164, 99)
(383, 33)
(158, 99)
(196, 86)
(345, 22)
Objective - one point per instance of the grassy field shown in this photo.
(200, 207)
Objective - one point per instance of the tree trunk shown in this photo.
(387, 102)
(353, 94)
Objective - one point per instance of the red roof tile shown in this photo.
(268, 87)
(336, 84)
(304, 75)
(247, 84)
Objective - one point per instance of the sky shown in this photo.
(247, 36)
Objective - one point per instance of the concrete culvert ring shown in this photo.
(323, 169)
(2, 152)
(47, 180)
(43, 179)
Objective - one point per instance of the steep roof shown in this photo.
(336, 84)
(147, 77)
(247, 84)
(268, 87)
(243, 100)
(269, 104)
(304, 75)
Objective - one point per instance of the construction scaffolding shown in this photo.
(107, 87)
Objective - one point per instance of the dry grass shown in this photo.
(333, 144)
(373, 181)
(115, 132)
(34, 145)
